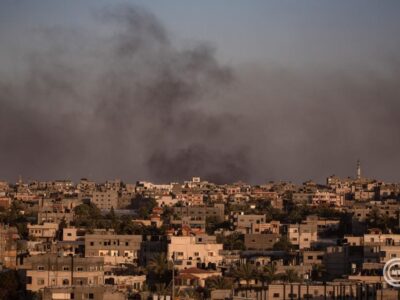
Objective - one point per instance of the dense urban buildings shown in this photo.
(199, 240)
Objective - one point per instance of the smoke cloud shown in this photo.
(130, 104)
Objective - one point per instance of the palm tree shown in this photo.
(245, 272)
(291, 276)
(219, 283)
(159, 265)
(267, 274)
(191, 294)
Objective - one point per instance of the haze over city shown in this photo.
(226, 90)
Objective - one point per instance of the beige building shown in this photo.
(50, 270)
(332, 290)
(302, 235)
(244, 223)
(83, 293)
(327, 198)
(8, 246)
(105, 200)
(114, 248)
(271, 227)
(43, 232)
(190, 250)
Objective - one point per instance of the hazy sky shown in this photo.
(162, 90)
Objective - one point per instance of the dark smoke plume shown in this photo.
(133, 105)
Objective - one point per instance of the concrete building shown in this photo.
(114, 248)
(191, 250)
(8, 246)
(50, 270)
(243, 223)
(263, 241)
(105, 200)
(327, 198)
(271, 227)
(43, 232)
(83, 293)
(302, 235)
(202, 212)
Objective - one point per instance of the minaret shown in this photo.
(358, 169)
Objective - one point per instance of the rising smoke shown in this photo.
(135, 106)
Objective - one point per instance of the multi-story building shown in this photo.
(43, 232)
(244, 223)
(188, 251)
(302, 235)
(327, 198)
(105, 200)
(263, 241)
(270, 227)
(51, 270)
(201, 212)
(114, 248)
(8, 246)
(98, 292)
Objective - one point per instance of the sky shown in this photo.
(227, 90)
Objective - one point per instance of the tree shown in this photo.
(245, 272)
(143, 205)
(283, 244)
(160, 266)
(267, 274)
(317, 271)
(219, 283)
(291, 275)
(9, 285)
(234, 241)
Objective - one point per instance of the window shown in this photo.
(196, 254)
(91, 243)
(40, 281)
(79, 269)
(65, 282)
(40, 268)
(126, 243)
(65, 268)
(310, 257)
(276, 295)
